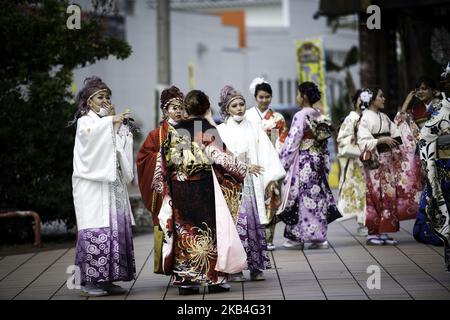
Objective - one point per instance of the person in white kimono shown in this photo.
(102, 167)
(352, 184)
(250, 144)
(274, 126)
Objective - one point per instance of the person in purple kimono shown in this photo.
(305, 156)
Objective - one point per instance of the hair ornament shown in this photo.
(365, 96)
(255, 82)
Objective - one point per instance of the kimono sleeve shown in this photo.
(124, 143)
(406, 128)
(282, 131)
(147, 166)
(366, 141)
(226, 161)
(394, 129)
(346, 133)
(95, 150)
(268, 158)
(292, 143)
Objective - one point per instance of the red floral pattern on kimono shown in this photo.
(393, 188)
(275, 121)
(412, 177)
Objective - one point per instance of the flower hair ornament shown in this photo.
(254, 83)
(365, 96)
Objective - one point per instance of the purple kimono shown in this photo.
(307, 162)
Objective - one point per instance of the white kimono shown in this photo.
(246, 140)
(255, 116)
(97, 152)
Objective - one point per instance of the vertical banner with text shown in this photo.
(311, 66)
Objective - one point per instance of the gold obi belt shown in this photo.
(306, 144)
(313, 145)
(185, 156)
(420, 122)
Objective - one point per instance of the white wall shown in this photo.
(133, 80)
(270, 53)
(266, 16)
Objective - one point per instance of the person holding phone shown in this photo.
(102, 168)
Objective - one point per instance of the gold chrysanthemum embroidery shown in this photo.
(200, 248)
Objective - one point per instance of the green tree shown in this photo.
(39, 53)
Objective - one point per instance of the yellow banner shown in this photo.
(311, 66)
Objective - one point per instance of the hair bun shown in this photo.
(92, 81)
(225, 93)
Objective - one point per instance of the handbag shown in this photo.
(369, 160)
(443, 146)
(351, 151)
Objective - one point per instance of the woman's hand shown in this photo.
(110, 108)
(408, 100)
(392, 143)
(255, 169)
(118, 119)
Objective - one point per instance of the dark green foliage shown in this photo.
(38, 55)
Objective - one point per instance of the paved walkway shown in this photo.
(408, 271)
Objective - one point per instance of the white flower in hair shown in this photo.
(365, 96)
(446, 71)
(254, 83)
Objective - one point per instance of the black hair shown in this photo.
(311, 90)
(374, 90)
(197, 103)
(427, 81)
(263, 87)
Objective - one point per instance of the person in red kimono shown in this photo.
(149, 156)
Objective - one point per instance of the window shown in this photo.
(280, 91)
(289, 91)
